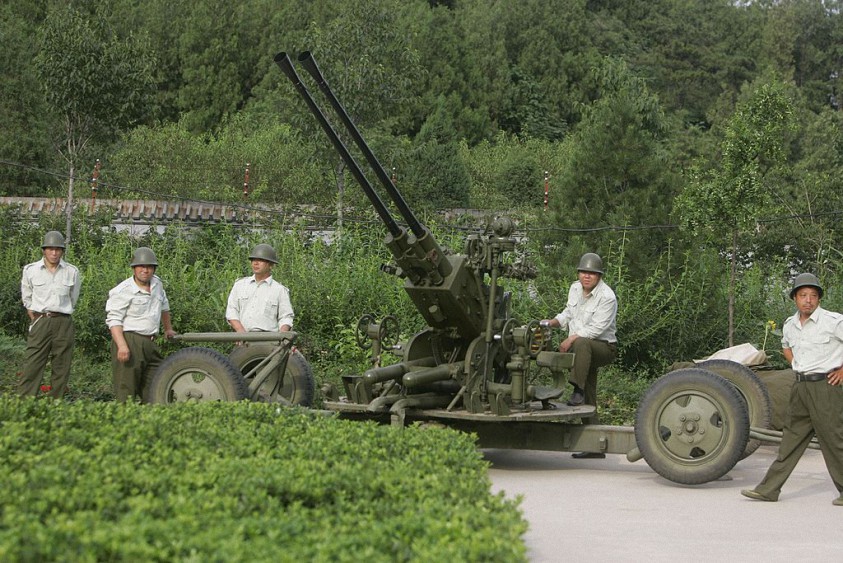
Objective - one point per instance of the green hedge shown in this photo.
(94, 481)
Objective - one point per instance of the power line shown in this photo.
(358, 220)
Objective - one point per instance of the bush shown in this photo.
(241, 482)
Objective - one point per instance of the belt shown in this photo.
(50, 314)
(811, 376)
(147, 336)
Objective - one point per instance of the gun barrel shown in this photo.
(309, 63)
(283, 61)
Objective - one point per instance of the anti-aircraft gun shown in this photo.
(474, 357)
(473, 367)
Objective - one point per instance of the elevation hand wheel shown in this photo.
(389, 331)
(361, 331)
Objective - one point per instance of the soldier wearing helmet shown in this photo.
(812, 341)
(259, 302)
(589, 317)
(49, 290)
(135, 309)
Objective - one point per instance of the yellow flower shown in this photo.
(771, 325)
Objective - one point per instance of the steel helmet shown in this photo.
(264, 252)
(590, 262)
(806, 280)
(53, 239)
(144, 256)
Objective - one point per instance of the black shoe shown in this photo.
(588, 455)
(577, 398)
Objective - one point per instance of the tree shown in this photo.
(435, 172)
(368, 63)
(22, 125)
(730, 197)
(94, 81)
(617, 168)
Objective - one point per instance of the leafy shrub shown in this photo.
(241, 481)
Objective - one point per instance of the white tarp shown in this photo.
(745, 354)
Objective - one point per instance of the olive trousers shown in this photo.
(589, 355)
(815, 408)
(132, 377)
(48, 336)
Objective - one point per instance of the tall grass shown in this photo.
(676, 312)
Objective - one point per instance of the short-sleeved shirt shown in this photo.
(592, 316)
(45, 291)
(817, 345)
(136, 309)
(259, 306)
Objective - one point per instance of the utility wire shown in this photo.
(358, 220)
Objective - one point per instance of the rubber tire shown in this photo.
(753, 391)
(661, 416)
(299, 384)
(196, 373)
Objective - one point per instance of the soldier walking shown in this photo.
(812, 341)
(49, 291)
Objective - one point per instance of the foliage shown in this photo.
(734, 195)
(436, 174)
(241, 482)
(93, 80)
(170, 160)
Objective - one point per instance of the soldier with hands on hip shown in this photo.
(135, 310)
(49, 291)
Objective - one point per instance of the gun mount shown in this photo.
(473, 354)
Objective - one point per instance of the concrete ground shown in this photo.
(613, 510)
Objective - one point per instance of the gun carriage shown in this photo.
(474, 367)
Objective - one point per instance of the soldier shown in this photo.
(589, 316)
(812, 341)
(49, 291)
(258, 302)
(134, 312)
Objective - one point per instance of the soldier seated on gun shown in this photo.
(590, 318)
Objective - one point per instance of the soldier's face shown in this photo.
(261, 267)
(143, 273)
(52, 255)
(807, 300)
(589, 280)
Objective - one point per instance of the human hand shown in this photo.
(835, 376)
(123, 354)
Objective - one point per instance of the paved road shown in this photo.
(613, 510)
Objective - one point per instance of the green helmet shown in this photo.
(806, 280)
(144, 256)
(53, 239)
(264, 252)
(590, 262)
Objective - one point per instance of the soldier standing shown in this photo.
(49, 291)
(134, 312)
(812, 341)
(258, 302)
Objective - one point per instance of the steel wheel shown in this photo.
(692, 426)
(196, 374)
